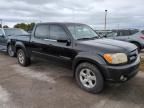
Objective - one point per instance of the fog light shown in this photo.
(123, 78)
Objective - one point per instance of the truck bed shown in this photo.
(20, 38)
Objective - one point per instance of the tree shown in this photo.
(21, 25)
(26, 27)
(5, 26)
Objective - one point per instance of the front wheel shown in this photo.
(89, 78)
(22, 59)
(10, 51)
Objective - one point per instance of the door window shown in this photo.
(42, 31)
(124, 33)
(57, 33)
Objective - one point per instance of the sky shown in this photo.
(121, 13)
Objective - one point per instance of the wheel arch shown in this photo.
(88, 60)
(20, 45)
(136, 43)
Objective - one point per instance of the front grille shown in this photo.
(132, 56)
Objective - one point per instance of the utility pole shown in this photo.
(105, 26)
(1, 23)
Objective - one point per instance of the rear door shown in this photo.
(38, 41)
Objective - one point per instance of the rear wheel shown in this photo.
(22, 59)
(10, 51)
(89, 78)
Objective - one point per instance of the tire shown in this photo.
(89, 78)
(22, 59)
(138, 46)
(10, 51)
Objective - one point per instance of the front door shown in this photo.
(60, 41)
(38, 40)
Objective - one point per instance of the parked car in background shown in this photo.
(94, 60)
(103, 33)
(134, 36)
(4, 34)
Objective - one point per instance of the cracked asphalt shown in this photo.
(50, 84)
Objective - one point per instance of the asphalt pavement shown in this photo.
(50, 84)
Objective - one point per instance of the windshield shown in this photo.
(10, 32)
(82, 31)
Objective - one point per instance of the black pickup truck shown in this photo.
(94, 60)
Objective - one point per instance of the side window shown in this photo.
(124, 33)
(112, 34)
(121, 33)
(127, 33)
(57, 33)
(118, 33)
(42, 31)
(132, 32)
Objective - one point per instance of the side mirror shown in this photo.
(68, 42)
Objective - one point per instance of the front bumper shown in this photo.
(121, 73)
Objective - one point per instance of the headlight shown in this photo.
(117, 58)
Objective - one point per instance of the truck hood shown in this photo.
(109, 45)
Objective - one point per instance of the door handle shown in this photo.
(50, 40)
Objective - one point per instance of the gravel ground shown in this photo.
(142, 61)
(51, 85)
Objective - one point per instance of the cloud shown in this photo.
(125, 13)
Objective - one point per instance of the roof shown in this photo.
(63, 23)
(9, 28)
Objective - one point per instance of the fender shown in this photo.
(21, 45)
(92, 58)
(85, 56)
(10, 42)
(136, 43)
